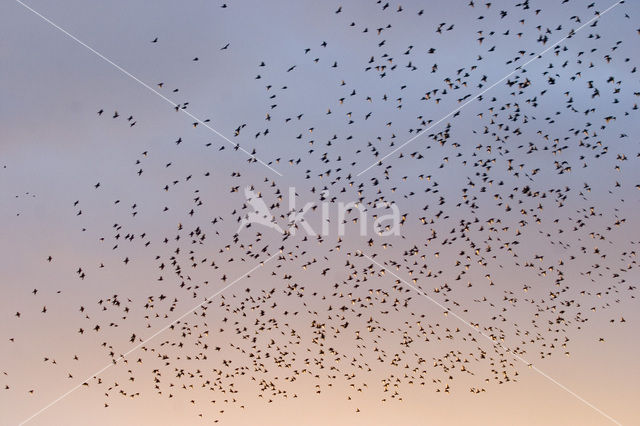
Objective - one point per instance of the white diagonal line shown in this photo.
(115, 361)
(538, 56)
(467, 323)
(128, 74)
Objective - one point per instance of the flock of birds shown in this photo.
(512, 217)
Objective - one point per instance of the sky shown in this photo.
(175, 174)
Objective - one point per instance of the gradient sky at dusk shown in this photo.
(55, 148)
